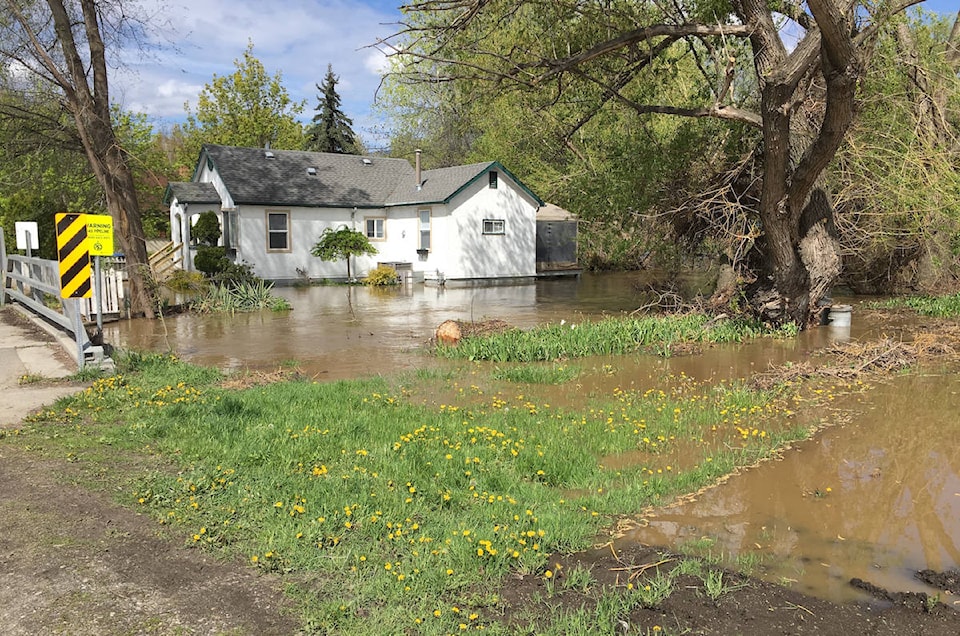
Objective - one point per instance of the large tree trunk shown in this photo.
(800, 247)
(91, 111)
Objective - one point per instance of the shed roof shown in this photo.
(551, 212)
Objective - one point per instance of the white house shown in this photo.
(465, 223)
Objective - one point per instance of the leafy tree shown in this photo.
(901, 162)
(152, 168)
(248, 108)
(577, 61)
(335, 245)
(63, 45)
(331, 129)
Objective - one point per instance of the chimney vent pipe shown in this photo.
(418, 170)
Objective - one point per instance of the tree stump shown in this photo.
(449, 333)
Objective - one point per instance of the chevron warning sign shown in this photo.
(74, 256)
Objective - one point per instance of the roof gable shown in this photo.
(191, 192)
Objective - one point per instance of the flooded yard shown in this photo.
(875, 496)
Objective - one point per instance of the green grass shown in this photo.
(537, 374)
(385, 508)
(245, 296)
(612, 336)
(933, 306)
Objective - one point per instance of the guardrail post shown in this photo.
(3, 269)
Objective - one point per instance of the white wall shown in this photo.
(477, 255)
(306, 226)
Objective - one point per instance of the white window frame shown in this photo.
(494, 227)
(424, 229)
(285, 232)
(378, 222)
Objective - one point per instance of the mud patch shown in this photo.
(947, 581)
(74, 562)
(748, 606)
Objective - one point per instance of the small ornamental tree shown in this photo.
(209, 259)
(335, 245)
(207, 229)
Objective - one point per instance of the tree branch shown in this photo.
(635, 37)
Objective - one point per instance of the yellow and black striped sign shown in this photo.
(74, 256)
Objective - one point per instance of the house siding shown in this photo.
(478, 255)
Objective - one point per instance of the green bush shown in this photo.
(211, 260)
(382, 276)
(207, 229)
(235, 275)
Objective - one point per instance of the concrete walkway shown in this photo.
(33, 365)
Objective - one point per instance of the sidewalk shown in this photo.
(28, 351)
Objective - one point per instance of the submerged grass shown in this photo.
(611, 336)
(389, 509)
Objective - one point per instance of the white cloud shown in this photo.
(298, 38)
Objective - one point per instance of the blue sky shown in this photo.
(204, 38)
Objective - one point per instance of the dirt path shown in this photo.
(72, 562)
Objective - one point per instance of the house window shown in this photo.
(494, 226)
(278, 231)
(424, 229)
(230, 229)
(375, 228)
(493, 179)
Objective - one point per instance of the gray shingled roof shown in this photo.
(340, 181)
(192, 192)
(437, 185)
(282, 179)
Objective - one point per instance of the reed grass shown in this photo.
(244, 296)
(611, 336)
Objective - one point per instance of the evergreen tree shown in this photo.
(331, 129)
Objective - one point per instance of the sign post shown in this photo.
(74, 257)
(100, 243)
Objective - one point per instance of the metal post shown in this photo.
(98, 287)
(78, 331)
(3, 269)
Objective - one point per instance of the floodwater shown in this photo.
(345, 332)
(876, 498)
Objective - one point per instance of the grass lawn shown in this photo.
(385, 509)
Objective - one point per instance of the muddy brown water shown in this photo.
(877, 497)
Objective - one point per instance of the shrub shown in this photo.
(210, 260)
(186, 282)
(236, 274)
(207, 229)
(382, 276)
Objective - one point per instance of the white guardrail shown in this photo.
(34, 283)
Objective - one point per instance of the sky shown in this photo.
(206, 37)
(296, 37)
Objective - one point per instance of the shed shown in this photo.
(556, 241)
